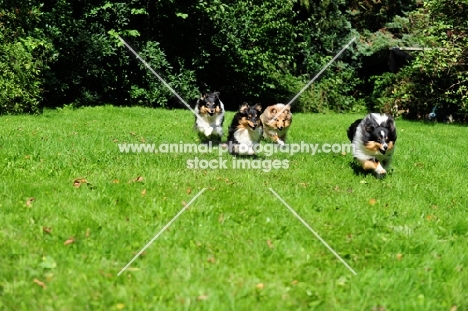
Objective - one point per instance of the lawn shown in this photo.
(75, 210)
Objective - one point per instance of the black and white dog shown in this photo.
(245, 131)
(209, 122)
(373, 139)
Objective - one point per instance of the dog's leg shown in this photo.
(372, 165)
(282, 139)
(379, 169)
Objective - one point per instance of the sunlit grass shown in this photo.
(236, 247)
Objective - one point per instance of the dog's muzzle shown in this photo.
(384, 148)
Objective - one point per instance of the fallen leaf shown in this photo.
(337, 188)
(132, 133)
(270, 245)
(363, 182)
(211, 259)
(202, 297)
(294, 282)
(120, 306)
(69, 241)
(260, 286)
(87, 233)
(183, 203)
(78, 181)
(350, 190)
(454, 308)
(399, 256)
(372, 201)
(221, 218)
(115, 181)
(189, 190)
(138, 179)
(41, 284)
(29, 201)
(143, 193)
(47, 229)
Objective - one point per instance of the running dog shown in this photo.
(245, 131)
(275, 128)
(210, 117)
(373, 139)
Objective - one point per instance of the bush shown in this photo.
(437, 79)
(24, 55)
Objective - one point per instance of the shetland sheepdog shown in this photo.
(275, 128)
(211, 110)
(373, 139)
(245, 131)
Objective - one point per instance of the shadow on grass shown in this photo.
(359, 171)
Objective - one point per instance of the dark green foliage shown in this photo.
(437, 78)
(64, 52)
(24, 53)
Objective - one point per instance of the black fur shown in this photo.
(352, 129)
(210, 101)
(251, 113)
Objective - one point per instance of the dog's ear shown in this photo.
(370, 124)
(390, 125)
(258, 107)
(273, 110)
(216, 94)
(203, 95)
(244, 107)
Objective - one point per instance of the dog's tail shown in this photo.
(352, 129)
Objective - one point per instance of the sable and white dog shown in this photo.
(275, 128)
(245, 131)
(373, 139)
(211, 110)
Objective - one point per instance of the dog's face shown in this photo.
(249, 116)
(280, 122)
(209, 104)
(380, 137)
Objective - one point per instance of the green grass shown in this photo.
(236, 247)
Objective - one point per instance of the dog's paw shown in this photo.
(280, 142)
(208, 131)
(380, 170)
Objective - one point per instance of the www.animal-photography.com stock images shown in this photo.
(246, 155)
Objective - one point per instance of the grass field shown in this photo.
(237, 247)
